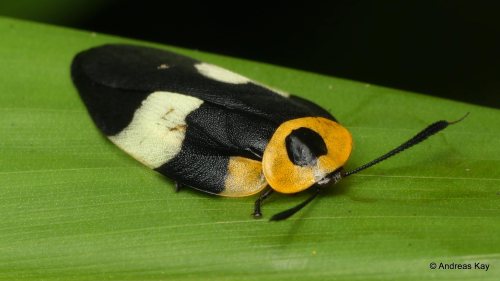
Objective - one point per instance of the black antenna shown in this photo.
(421, 136)
(424, 134)
(288, 213)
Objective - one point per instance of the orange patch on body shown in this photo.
(244, 177)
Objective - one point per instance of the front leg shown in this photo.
(257, 214)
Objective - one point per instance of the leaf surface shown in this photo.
(75, 207)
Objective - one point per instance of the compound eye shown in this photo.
(304, 146)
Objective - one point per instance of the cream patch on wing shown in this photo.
(277, 91)
(220, 74)
(223, 75)
(158, 128)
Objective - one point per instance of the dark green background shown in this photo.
(442, 48)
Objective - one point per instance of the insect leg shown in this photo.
(178, 186)
(258, 203)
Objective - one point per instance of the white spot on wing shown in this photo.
(277, 91)
(223, 75)
(220, 74)
(158, 127)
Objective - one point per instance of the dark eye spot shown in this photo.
(304, 146)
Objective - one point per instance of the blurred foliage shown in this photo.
(61, 12)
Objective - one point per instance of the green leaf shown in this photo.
(75, 207)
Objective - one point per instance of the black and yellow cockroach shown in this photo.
(214, 130)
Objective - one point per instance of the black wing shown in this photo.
(237, 118)
(143, 69)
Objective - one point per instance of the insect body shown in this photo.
(211, 129)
